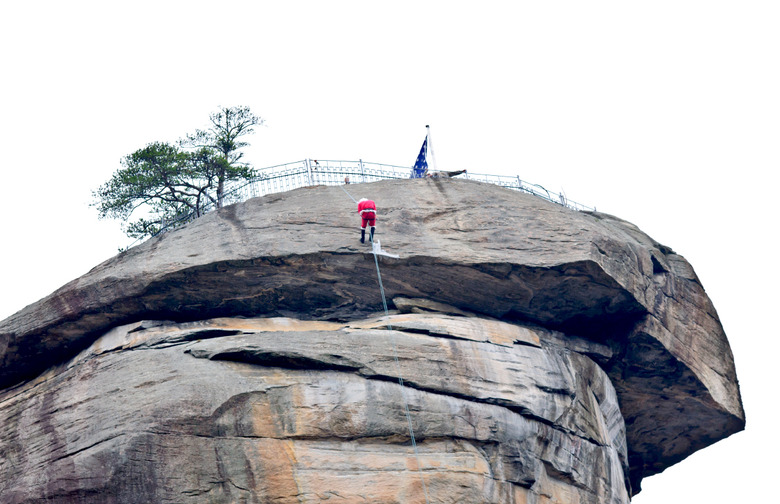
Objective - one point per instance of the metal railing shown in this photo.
(310, 172)
(514, 182)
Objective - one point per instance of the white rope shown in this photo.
(397, 367)
(401, 382)
(350, 196)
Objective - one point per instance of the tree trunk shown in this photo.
(220, 190)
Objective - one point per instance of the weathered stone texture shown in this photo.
(546, 356)
(288, 410)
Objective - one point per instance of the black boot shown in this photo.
(362, 236)
(372, 234)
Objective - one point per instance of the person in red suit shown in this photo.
(367, 211)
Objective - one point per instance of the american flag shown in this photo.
(421, 164)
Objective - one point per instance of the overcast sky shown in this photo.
(664, 113)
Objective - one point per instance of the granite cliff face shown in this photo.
(544, 355)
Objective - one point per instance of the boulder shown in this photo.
(536, 352)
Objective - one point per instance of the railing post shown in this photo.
(362, 175)
(307, 164)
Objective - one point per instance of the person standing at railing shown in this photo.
(367, 211)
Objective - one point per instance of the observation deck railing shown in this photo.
(310, 172)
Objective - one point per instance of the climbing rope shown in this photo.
(397, 366)
(350, 196)
(401, 381)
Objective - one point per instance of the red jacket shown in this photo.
(367, 206)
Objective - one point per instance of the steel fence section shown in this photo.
(272, 179)
(333, 172)
(514, 182)
(310, 172)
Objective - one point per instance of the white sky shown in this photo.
(664, 113)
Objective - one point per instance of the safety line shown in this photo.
(350, 196)
(397, 366)
(401, 380)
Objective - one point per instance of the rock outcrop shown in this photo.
(538, 354)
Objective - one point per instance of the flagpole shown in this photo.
(430, 146)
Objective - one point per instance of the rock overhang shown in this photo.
(474, 246)
(575, 297)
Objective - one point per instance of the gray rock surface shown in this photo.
(546, 355)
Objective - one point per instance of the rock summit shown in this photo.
(537, 354)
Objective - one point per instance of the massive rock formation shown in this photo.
(537, 354)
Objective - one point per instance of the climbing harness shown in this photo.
(376, 249)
